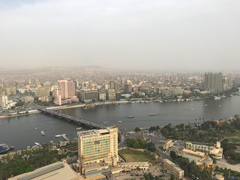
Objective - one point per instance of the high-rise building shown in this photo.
(67, 88)
(230, 81)
(127, 88)
(65, 91)
(111, 94)
(3, 101)
(214, 82)
(97, 149)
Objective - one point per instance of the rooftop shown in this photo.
(58, 170)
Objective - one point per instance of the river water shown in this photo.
(20, 131)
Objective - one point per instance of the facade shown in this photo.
(67, 88)
(111, 94)
(65, 93)
(173, 168)
(216, 151)
(3, 101)
(102, 96)
(11, 91)
(169, 143)
(88, 95)
(28, 99)
(127, 88)
(42, 92)
(97, 149)
(214, 82)
(200, 158)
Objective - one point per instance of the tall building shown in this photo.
(97, 149)
(3, 101)
(111, 94)
(214, 82)
(67, 88)
(127, 88)
(65, 92)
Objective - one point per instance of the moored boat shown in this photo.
(4, 148)
(43, 133)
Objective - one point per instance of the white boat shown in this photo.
(206, 105)
(65, 137)
(120, 121)
(57, 136)
(38, 144)
(217, 97)
(35, 127)
(105, 122)
(79, 128)
(43, 133)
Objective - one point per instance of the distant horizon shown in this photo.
(167, 35)
(5, 69)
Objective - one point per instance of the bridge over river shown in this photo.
(71, 118)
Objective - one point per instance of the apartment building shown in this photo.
(173, 168)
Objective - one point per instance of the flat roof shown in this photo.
(58, 170)
(192, 158)
(193, 152)
(96, 132)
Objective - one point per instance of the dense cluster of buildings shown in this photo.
(132, 87)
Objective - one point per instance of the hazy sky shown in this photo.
(132, 34)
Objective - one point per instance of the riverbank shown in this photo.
(19, 115)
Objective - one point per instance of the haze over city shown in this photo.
(134, 35)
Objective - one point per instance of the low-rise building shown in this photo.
(58, 170)
(200, 158)
(216, 150)
(173, 168)
(129, 166)
(88, 95)
(169, 143)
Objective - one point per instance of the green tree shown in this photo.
(137, 129)
(173, 155)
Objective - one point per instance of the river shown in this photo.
(20, 131)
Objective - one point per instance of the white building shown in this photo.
(3, 101)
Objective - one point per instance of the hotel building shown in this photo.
(97, 150)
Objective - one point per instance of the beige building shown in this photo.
(200, 158)
(97, 150)
(3, 101)
(169, 143)
(216, 151)
(173, 168)
(111, 94)
(58, 170)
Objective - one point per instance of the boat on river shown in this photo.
(43, 133)
(130, 116)
(217, 97)
(152, 114)
(4, 148)
(79, 128)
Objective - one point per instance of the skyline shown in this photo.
(131, 35)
